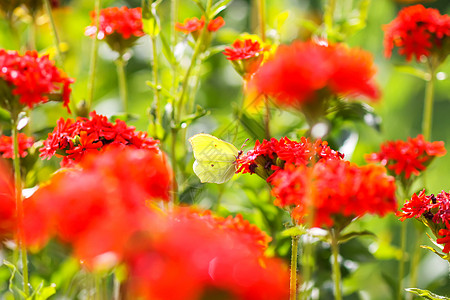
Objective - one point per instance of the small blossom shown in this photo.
(216, 24)
(73, 139)
(416, 207)
(120, 27)
(7, 147)
(407, 158)
(194, 25)
(416, 31)
(32, 78)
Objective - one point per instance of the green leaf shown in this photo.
(294, 231)
(199, 112)
(426, 294)
(346, 237)
(407, 69)
(280, 19)
(441, 255)
(11, 286)
(167, 51)
(218, 7)
(200, 5)
(252, 126)
(159, 88)
(150, 19)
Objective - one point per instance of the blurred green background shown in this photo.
(369, 264)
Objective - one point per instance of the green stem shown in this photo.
(173, 159)
(334, 235)
(32, 33)
(294, 258)
(157, 95)
(401, 269)
(267, 117)
(19, 204)
(416, 260)
(120, 63)
(93, 59)
(48, 9)
(262, 19)
(428, 106)
(329, 15)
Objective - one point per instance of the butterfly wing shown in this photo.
(215, 159)
(214, 172)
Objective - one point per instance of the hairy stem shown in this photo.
(334, 235)
(428, 106)
(93, 59)
(48, 9)
(19, 204)
(120, 63)
(157, 94)
(294, 258)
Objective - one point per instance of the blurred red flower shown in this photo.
(6, 145)
(309, 72)
(8, 220)
(334, 192)
(406, 158)
(194, 24)
(32, 78)
(72, 139)
(203, 260)
(416, 31)
(108, 192)
(124, 21)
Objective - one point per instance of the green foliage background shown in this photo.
(369, 265)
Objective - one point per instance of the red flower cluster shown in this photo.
(73, 139)
(268, 156)
(124, 21)
(433, 211)
(97, 207)
(205, 258)
(410, 157)
(416, 31)
(31, 78)
(195, 25)
(308, 72)
(102, 212)
(8, 221)
(246, 56)
(333, 192)
(7, 147)
(247, 232)
(243, 50)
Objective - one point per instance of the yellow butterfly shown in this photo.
(215, 160)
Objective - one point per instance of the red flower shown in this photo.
(8, 221)
(109, 192)
(7, 148)
(124, 21)
(268, 156)
(334, 192)
(216, 24)
(308, 72)
(410, 157)
(32, 78)
(243, 50)
(190, 25)
(204, 261)
(416, 31)
(248, 233)
(433, 211)
(416, 207)
(194, 25)
(72, 139)
(444, 240)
